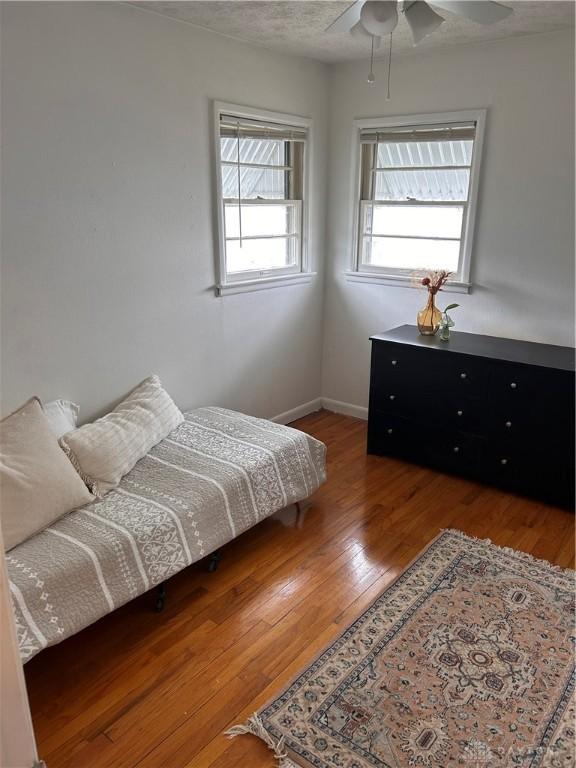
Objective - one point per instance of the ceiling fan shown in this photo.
(377, 18)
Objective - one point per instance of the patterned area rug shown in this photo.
(467, 659)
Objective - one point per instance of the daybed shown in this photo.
(216, 475)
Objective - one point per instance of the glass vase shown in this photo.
(429, 318)
(445, 332)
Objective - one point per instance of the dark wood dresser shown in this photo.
(496, 410)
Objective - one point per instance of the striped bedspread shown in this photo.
(215, 476)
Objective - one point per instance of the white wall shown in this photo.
(523, 261)
(107, 210)
(108, 236)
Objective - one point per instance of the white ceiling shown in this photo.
(298, 26)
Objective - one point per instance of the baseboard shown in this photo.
(298, 412)
(347, 409)
(336, 406)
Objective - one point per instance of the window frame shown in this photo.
(359, 271)
(262, 279)
(257, 274)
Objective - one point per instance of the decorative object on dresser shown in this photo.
(496, 410)
(446, 323)
(430, 318)
(464, 660)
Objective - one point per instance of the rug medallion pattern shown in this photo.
(467, 659)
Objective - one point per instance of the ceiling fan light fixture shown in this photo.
(422, 20)
(379, 17)
(360, 33)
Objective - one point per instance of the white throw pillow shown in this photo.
(37, 482)
(62, 415)
(105, 450)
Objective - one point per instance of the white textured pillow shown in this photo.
(62, 415)
(37, 482)
(105, 450)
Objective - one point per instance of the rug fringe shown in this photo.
(511, 551)
(255, 726)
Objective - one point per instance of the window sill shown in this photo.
(402, 281)
(263, 283)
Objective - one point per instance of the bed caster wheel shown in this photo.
(213, 562)
(160, 598)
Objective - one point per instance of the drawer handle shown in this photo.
(504, 461)
(513, 385)
(463, 376)
(456, 449)
(392, 397)
(390, 431)
(394, 362)
(508, 424)
(459, 413)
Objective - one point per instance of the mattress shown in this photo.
(216, 475)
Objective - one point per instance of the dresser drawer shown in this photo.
(532, 423)
(518, 383)
(454, 451)
(392, 360)
(517, 421)
(548, 476)
(466, 376)
(464, 414)
(503, 465)
(400, 401)
(512, 382)
(392, 435)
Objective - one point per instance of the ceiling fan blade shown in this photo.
(482, 11)
(422, 20)
(347, 19)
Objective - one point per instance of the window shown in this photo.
(262, 198)
(418, 183)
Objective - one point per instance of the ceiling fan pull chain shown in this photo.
(371, 79)
(389, 68)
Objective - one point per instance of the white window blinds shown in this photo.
(231, 126)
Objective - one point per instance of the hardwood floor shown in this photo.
(157, 691)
